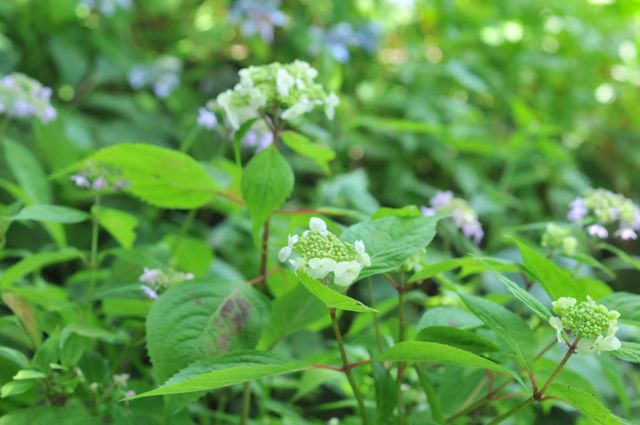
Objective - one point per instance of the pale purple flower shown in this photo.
(80, 180)
(23, 97)
(162, 75)
(626, 233)
(48, 114)
(149, 293)
(121, 184)
(100, 183)
(598, 231)
(473, 230)
(442, 199)
(578, 210)
(427, 211)
(207, 119)
(636, 222)
(258, 139)
(188, 276)
(150, 276)
(258, 17)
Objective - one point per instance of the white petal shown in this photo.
(292, 240)
(359, 245)
(346, 272)
(608, 343)
(586, 347)
(363, 259)
(284, 254)
(298, 263)
(556, 323)
(317, 225)
(319, 268)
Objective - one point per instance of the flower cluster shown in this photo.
(593, 323)
(163, 75)
(160, 280)
(268, 89)
(24, 97)
(338, 39)
(98, 178)
(107, 7)
(258, 17)
(319, 252)
(602, 208)
(559, 237)
(464, 217)
(207, 118)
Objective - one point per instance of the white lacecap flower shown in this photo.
(188, 276)
(330, 104)
(598, 231)
(298, 263)
(298, 109)
(121, 380)
(284, 253)
(319, 268)
(361, 256)
(601, 343)
(207, 119)
(318, 225)
(345, 272)
(284, 82)
(626, 233)
(149, 293)
(441, 199)
(556, 323)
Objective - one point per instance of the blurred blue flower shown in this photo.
(338, 39)
(23, 97)
(258, 17)
(107, 7)
(162, 75)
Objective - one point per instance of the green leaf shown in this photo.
(632, 261)
(331, 298)
(226, 370)
(49, 415)
(14, 356)
(432, 396)
(397, 125)
(627, 304)
(300, 144)
(161, 177)
(26, 314)
(629, 351)
(417, 351)
(390, 241)
(26, 374)
(586, 403)
(50, 214)
(202, 318)
(460, 338)
(191, 254)
(36, 262)
(386, 393)
(508, 325)
(33, 180)
(521, 294)
(408, 211)
(437, 268)
(119, 224)
(267, 182)
(556, 281)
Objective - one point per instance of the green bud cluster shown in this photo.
(559, 237)
(588, 319)
(314, 245)
(608, 206)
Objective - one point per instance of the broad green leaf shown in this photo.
(202, 318)
(437, 268)
(418, 351)
(448, 316)
(521, 294)
(49, 415)
(390, 241)
(556, 281)
(508, 325)
(33, 181)
(13, 388)
(50, 214)
(119, 224)
(386, 393)
(36, 262)
(226, 370)
(460, 338)
(190, 254)
(300, 144)
(26, 374)
(14, 356)
(291, 313)
(432, 396)
(586, 403)
(397, 125)
(161, 177)
(629, 351)
(267, 182)
(627, 304)
(590, 261)
(408, 211)
(237, 140)
(331, 298)
(26, 314)
(632, 261)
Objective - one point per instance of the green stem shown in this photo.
(376, 321)
(184, 228)
(516, 409)
(191, 137)
(347, 370)
(402, 365)
(95, 228)
(246, 403)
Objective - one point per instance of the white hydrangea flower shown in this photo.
(330, 104)
(318, 225)
(285, 252)
(601, 343)
(298, 109)
(298, 263)
(556, 323)
(361, 256)
(598, 231)
(346, 272)
(319, 268)
(284, 82)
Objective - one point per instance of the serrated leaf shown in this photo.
(161, 177)
(460, 338)
(331, 298)
(49, 415)
(418, 351)
(587, 403)
(36, 262)
(300, 144)
(556, 281)
(50, 214)
(226, 370)
(508, 325)
(627, 304)
(267, 182)
(628, 351)
(390, 241)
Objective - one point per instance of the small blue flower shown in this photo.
(258, 17)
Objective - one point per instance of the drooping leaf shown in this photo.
(36, 262)
(586, 403)
(390, 241)
(225, 370)
(300, 144)
(119, 224)
(460, 338)
(331, 298)
(267, 182)
(418, 351)
(26, 314)
(50, 214)
(629, 351)
(159, 176)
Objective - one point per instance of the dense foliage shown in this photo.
(309, 212)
